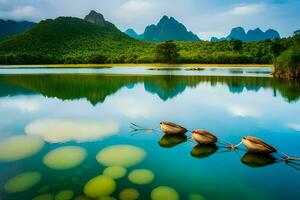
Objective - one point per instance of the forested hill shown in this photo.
(66, 38)
(10, 27)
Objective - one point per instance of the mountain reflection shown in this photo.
(95, 88)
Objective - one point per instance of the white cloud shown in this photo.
(295, 127)
(249, 9)
(241, 111)
(133, 8)
(24, 105)
(206, 35)
(20, 13)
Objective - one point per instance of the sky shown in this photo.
(206, 18)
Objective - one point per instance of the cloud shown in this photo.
(24, 105)
(134, 8)
(20, 13)
(295, 127)
(241, 111)
(249, 9)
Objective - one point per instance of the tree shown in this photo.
(297, 37)
(236, 45)
(167, 52)
(277, 48)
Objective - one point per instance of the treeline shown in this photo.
(223, 52)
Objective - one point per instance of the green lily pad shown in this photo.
(64, 158)
(121, 155)
(22, 182)
(100, 186)
(141, 176)
(20, 147)
(115, 172)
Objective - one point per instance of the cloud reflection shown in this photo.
(65, 130)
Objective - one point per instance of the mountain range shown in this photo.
(257, 34)
(168, 28)
(10, 27)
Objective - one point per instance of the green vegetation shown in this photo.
(287, 64)
(68, 40)
(167, 52)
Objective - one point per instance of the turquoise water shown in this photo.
(93, 111)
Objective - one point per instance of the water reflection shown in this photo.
(95, 88)
(204, 150)
(169, 141)
(66, 130)
(257, 159)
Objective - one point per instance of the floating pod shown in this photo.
(257, 159)
(204, 150)
(204, 137)
(172, 128)
(169, 141)
(256, 145)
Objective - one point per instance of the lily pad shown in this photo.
(164, 192)
(129, 194)
(121, 155)
(22, 182)
(65, 157)
(64, 195)
(65, 130)
(141, 176)
(115, 172)
(44, 197)
(99, 186)
(20, 147)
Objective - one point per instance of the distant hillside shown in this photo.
(10, 27)
(166, 29)
(255, 35)
(68, 37)
(131, 33)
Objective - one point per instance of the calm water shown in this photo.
(91, 110)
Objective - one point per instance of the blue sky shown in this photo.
(204, 17)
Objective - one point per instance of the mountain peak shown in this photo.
(239, 33)
(132, 33)
(95, 18)
(168, 28)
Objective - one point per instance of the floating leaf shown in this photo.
(164, 192)
(99, 186)
(141, 176)
(115, 172)
(22, 182)
(20, 147)
(65, 157)
(121, 155)
(129, 194)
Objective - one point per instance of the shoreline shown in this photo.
(128, 65)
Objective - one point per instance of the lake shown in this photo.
(62, 129)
